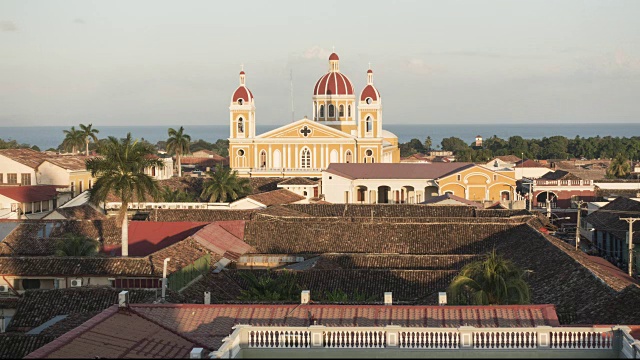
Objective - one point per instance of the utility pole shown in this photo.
(579, 203)
(630, 221)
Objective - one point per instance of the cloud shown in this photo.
(316, 52)
(419, 66)
(79, 21)
(8, 26)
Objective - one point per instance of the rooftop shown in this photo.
(276, 197)
(27, 194)
(396, 171)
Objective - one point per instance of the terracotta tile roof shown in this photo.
(382, 210)
(224, 236)
(76, 266)
(397, 170)
(73, 163)
(341, 237)
(528, 163)
(435, 200)
(18, 345)
(26, 194)
(280, 211)
(298, 181)
(147, 237)
(509, 158)
(392, 261)
(559, 175)
(26, 239)
(81, 212)
(200, 215)
(36, 307)
(262, 184)
(102, 337)
(276, 197)
(609, 219)
(209, 324)
(28, 157)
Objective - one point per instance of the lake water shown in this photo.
(51, 136)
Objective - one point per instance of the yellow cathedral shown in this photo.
(340, 132)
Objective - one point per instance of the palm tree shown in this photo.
(120, 170)
(178, 142)
(224, 185)
(177, 195)
(89, 134)
(73, 140)
(76, 245)
(619, 167)
(282, 287)
(492, 281)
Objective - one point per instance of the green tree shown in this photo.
(282, 287)
(416, 145)
(224, 185)
(176, 195)
(88, 134)
(73, 140)
(454, 144)
(76, 245)
(178, 143)
(121, 171)
(427, 143)
(492, 281)
(620, 167)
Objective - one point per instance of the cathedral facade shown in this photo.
(344, 129)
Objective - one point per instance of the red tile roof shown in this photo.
(396, 171)
(276, 197)
(437, 199)
(146, 237)
(223, 236)
(33, 193)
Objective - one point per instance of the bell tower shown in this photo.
(370, 110)
(242, 112)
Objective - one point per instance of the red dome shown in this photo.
(333, 83)
(242, 72)
(242, 93)
(370, 91)
(333, 56)
(369, 71)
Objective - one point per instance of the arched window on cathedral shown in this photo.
(341, 111)
(332, 111)
(369, 124)
(348, 156)
(263, 159)
(305, 158)
(349, 111)
(240, 126)
(321, 112)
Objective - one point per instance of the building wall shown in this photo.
(564, 196)
(478, 184)
(530, 172)
(8, 166)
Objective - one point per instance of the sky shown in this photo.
(435, 62)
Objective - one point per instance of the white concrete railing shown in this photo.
(168, 205)
(395, 337)
(630, 347)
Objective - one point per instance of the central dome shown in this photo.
(333, 82)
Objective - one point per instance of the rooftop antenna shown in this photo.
(293, 111)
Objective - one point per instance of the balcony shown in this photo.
(319, 341)
(556, 183)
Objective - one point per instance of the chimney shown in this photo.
(123, 299)
(442, 298)
(196, 353)
(207, 298)
(305, 297)
(388, 298)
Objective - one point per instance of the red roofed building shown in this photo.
(147, 237)
(33, 201)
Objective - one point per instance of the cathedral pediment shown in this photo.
(305, 129)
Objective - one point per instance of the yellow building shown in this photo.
(344, 129)
(477, 183)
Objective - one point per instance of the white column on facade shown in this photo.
(283, 161)
(289, 156)
(314, 156)
(322, 156)
(296, 155)
(341, 154)
(326, 156)
(255, 156)
(269, 158)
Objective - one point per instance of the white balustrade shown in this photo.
(513, 339)
(278, 339)
(354, 339)
(430, 339)
(581, 339)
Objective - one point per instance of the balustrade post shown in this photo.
(466, 336)
(393, 335)
(544, 336)
(316, 332)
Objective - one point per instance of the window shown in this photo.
(459, 177)
(348, 156)
(263, 159)
(81, 187)
(504, 195)
(349, 111)
(332, 111)
(369, 124)
(368, 100)
(12, 178)
(90, 184)
(369, 152)
(240, 152)
(73, 187)
(1, 178)
(321, 112)
(28, 284)
(240, 101)
(240, 126)
(25, 179)
(495, 177)
(341, 111)
(305, 159)
(361, 194)
(369, 156)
